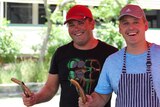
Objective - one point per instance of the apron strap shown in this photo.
(148, 63)
(124, 61)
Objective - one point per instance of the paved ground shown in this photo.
(17, 102)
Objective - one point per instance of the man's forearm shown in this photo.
(45, 95)
(99, 100)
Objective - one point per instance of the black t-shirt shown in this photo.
(81, 65)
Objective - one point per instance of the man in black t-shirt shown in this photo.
(81, 60)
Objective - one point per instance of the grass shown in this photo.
(27, 71)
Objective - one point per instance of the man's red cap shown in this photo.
(78, 12)
(132, 10)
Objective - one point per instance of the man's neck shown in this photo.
(90, 45)
(138, 49)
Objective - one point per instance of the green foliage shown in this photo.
(59, 36)
(106, 11)
(109, 33)
(27, 71)
(57, 15)
(106, 17)
(8, 47)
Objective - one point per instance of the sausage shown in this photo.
(80, 90)
(25, 89)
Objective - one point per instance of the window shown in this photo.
(18, 13)
(42, 14)
(153, 18)
(23, 13)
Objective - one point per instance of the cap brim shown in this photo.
(79, 18)
(129, 15)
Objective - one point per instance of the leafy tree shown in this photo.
(53, 20)
(106, 16)
(8, 47)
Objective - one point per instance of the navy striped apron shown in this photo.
(137, 90)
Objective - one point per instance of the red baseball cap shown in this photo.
(132, 10)
(78, 12)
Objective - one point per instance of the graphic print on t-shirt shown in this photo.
(85, 72)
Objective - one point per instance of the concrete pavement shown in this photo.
(17, 102)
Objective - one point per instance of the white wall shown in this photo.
(28, 37)
(153, 36)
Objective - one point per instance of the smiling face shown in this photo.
(81, 31)
(133, 30)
